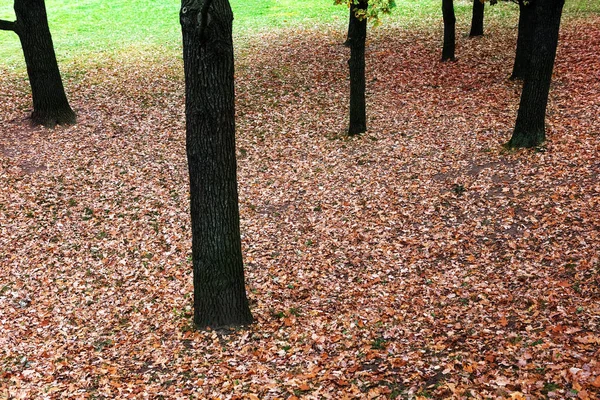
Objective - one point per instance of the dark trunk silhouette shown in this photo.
(351, 28)
(358, 118)
(477, 18)
(219, 291)
(50, 104)
(449, 30)
(524, 41)
(530, 126)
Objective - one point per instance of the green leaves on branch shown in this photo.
(373, 12)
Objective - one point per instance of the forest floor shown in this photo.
(420, 260)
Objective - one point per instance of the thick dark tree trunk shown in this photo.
(50, 104)
(530, 126)
(524, 41)
(449, 30)
(358, 114)
(477, 18)
(219, 291)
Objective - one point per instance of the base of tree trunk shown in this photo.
(52, 118)
(449, 59)
(526, 140)
(354, 130)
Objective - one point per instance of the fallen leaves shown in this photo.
(420, 260)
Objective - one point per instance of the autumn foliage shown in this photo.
(419, 260)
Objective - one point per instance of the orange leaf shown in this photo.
(503, 321)
(469, 368)
(583, 395)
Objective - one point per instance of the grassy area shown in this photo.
(89, 28)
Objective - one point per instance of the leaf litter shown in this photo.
(419, 260)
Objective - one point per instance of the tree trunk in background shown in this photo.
(477, 19)
(530, 126)
(50, 104)
(524, 41)
(219, 291)
(358, 117)
(449, 30)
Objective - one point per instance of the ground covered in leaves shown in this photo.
(420, 260)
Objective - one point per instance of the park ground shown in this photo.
(419, 260)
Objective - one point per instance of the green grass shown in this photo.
(94, 29)
(88, 27)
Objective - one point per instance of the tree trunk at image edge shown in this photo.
(50, 104)
(219, 291)
(356, 64)
(449, 30)
(530, 126)
(477, 18)
(524, 41)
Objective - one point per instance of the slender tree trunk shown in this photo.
(50, 104)
(351, 27)
(524, 41)
(477, 18)
(219, 291)
(530, 126)
(449, 30)
(356, 64)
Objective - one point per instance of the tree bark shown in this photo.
(351, 27)
(530, 125)
(50, 104)
(356, 64)
(219, 291)
(477, 19)
(524, 41)
(449, 30)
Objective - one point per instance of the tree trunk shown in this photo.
(351, 27)
(50, 104)
(524, 41)
(477, 18)
(356, 64)
(219, 291)
(530, 126)
(449, 30)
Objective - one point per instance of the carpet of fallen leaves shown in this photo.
(420, 260)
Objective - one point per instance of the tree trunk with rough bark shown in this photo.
(50, 104)
(530, 130)
(219, 290)
(449, 30)
(477, 18)
(524, 41)
(356, 64)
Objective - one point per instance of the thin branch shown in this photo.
(8, 25)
